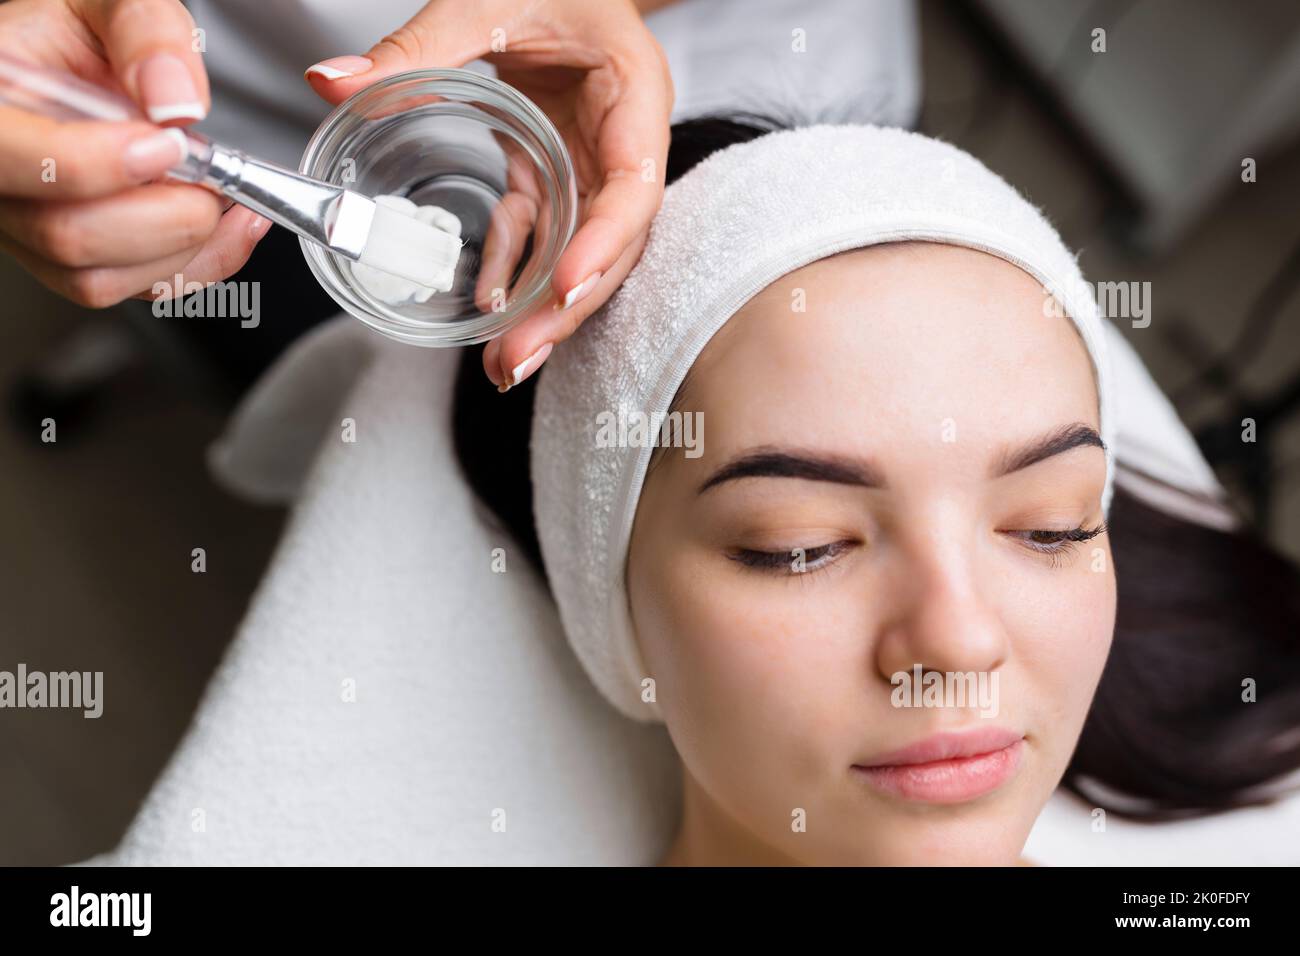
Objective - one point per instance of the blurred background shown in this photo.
(1135, 154)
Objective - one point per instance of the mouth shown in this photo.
(947, 768)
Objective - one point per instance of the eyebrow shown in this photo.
(770, 462)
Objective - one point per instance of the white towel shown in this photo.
(396, 694)
(739, 220)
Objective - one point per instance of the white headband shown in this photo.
(712, 248)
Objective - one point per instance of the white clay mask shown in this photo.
(393, 289)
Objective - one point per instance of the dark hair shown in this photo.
(1200, 612)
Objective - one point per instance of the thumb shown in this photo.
(154, 51)
(440, 35)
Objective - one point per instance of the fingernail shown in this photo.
(526, 368)
(579, 292)
(167, 90)
(492, 365)
(259, 227)
(336, 68)
(151, 156)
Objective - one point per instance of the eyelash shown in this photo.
(772, 562)
(1065, 543)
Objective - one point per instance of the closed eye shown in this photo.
(1054, 543)
(799, 560)
(1057, 543)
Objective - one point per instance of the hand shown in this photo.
(80, 205)
(599, 75)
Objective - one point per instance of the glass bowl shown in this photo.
(477, 148)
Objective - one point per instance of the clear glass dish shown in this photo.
(476, 147)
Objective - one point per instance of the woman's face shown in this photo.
(873, 500)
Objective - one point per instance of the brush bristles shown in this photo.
(403, 246)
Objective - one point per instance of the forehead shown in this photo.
(894, 339)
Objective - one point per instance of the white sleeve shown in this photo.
(833, 61)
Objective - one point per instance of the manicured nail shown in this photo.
(525, 368)
(259, 227)
(493, 368)
(336, 68)
(579, 291)
(167, 90)
(151, 156)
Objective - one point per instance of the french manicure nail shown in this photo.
(336, 68)
(525, 368)
(152, 155)
(579, 291)
(493, 368)
(167, 90)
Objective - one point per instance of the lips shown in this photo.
(947, 746)
(948, 767)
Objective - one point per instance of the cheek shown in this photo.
(1061, 640)
(738, 673)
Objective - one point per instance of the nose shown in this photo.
(940, 618)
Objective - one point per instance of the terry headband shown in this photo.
(712, 247)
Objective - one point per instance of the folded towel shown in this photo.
(735, 223)
(399, 692)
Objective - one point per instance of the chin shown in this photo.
(947, 847)
(981, 833)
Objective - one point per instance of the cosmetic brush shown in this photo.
(341, 220)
